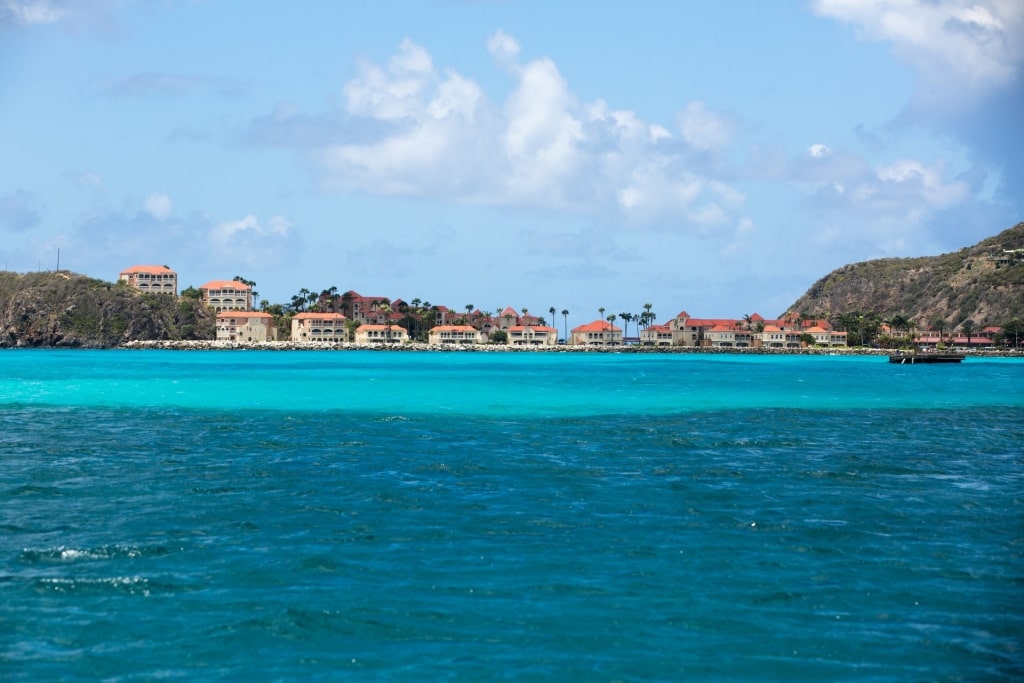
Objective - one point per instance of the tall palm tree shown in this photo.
(565, 324)
(611, 324)
(552, 312)
(967, 327)
(626, 319)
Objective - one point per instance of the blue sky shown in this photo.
(717, 157)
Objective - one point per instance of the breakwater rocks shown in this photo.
(478, 348)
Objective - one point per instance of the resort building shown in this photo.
(597, 333)
(455, 334)
(246, 326)
(227, 295)
(156, 279)
(656, 335)
(319, 327)
(381, 334)
(532, 335)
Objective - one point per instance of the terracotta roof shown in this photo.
(152, 270)
(318, 316)
(243, 314)
(756, 317)
(381, 327)
(597, 326)
(535, 328)
(453, 328)
(226, 284)
(509, 312)
(683, 314)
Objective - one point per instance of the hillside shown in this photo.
(65, 309)
(967, 284)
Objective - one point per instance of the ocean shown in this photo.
(361, 515)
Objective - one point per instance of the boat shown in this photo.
(915, 358)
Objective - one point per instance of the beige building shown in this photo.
(227, 295)
(246, 326)
(532, 335)
(319, 327)
(597, 333)
(155, 279)
(454, 334)
(381, 334)
(656, 335)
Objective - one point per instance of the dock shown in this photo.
(915, 358)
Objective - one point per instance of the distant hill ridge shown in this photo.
(64, 309)
(983, 283)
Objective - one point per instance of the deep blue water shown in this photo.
(267, 516)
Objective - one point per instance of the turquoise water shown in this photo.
(275, 516)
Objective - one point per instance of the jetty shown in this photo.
(915, 358)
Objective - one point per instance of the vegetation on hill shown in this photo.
(65, 309)
(971, 288)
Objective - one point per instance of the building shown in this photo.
(381, 334)
(319, 327)
(532, 335)
(155, 279)
(597, 333)
(442, 335)
(246, 326)
(656, 335)
(227, 295)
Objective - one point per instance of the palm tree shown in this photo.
(967, 327)
(552, 312)
(626, 319)
(611, 324)
(938, 323)
(565, 324)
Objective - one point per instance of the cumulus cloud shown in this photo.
(438, 135)
(158, 206)
(18, 211)
(704, 129)
(252, 243)
(818, 151)
(29, 12)
(951, 43)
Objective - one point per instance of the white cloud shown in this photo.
(503, 48)
(249, 242)
(29, 12)
(952, 43)
(436, 134)
(704, 129)
(158, 206)
(818, 151)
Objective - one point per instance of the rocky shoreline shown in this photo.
(209, 345)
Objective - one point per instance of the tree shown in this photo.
(1015, 328)
(565, 324)
(499, 337)
(938, 323)
(626, 319)
(967, 327)
(611, 323)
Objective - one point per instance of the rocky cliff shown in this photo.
(983, 283)
(69, 310)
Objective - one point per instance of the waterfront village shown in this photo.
(350, 318)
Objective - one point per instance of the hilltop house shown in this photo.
(319, 327)
(226, 295)
(155, 279)
(245, 326)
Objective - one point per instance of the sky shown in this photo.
(707, 156)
